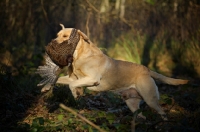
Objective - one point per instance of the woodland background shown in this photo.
(163, 35)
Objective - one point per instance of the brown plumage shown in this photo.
(58, 56)
(62, 54)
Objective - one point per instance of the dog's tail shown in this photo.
(167, 80)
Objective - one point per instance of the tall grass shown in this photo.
(166, 56)
(126, 48)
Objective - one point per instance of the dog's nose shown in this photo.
(58, 41)
(54, 41)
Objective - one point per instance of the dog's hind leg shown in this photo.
(133, 104)
(149, 92)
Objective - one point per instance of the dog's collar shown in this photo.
(62, 54)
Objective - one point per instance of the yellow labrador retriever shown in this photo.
(93, 69)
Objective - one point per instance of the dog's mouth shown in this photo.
(62, 53)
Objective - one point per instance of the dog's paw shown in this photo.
(79, 91)
(46, 88)
(96, 83)
(74, 93)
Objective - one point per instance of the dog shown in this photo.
(93, 69)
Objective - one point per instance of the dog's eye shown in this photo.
(64, 36)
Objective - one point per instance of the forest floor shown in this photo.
(24, 108)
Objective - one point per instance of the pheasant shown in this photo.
(58, 55)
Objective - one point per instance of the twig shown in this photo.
(81, 117)
(45, 15)
(44, 11)
(172, 106)
(87, 23)
(126, 22)
(133, 124)
(91, 6)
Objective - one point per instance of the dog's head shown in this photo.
(65, 33)
(61, 49)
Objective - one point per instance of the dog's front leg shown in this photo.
(86, 81)
(61, 80)
(66, 80)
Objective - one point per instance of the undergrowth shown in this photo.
(24, 108)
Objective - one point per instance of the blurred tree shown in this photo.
(27, 26)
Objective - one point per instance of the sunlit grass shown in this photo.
(165, 56)
(126, 48)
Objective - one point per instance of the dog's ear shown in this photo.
(63, 27)
(85, 37)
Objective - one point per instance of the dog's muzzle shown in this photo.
(62, 53)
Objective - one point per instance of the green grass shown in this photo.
(127, 49)
(169, 57)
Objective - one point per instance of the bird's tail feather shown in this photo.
(49, 72)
